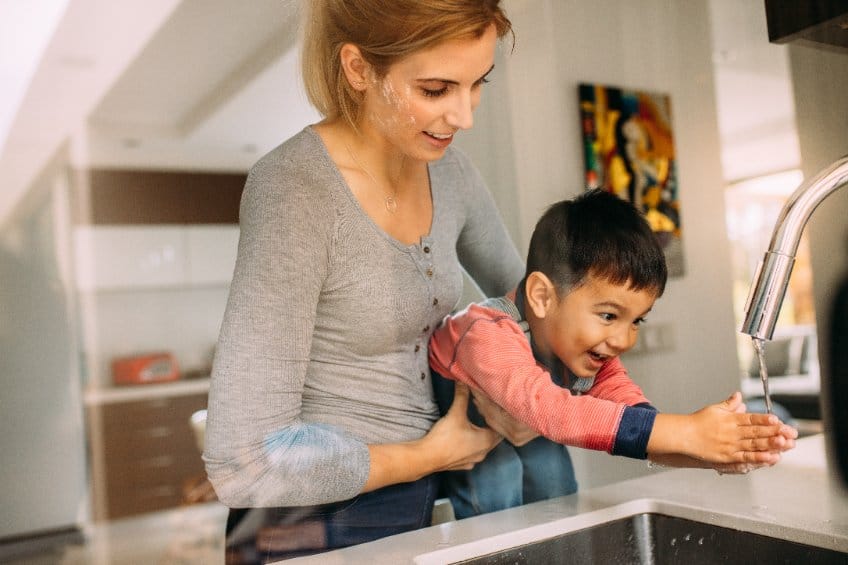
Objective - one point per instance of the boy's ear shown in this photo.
(539, 293)
(355, 67)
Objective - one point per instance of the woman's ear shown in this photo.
(539, 293)
(355, 67)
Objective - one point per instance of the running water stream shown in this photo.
(759, 346)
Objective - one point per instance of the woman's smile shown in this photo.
(439, 140)
(424, 99)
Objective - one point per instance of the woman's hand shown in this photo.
(462, 443)
(452, 444)
(515, 432)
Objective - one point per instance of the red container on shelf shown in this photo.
(144, 369)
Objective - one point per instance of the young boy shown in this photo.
(548, 354)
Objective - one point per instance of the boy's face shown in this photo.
(594, 322)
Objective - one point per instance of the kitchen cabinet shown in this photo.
(153, 255)
(818, 22)
(210, 254)
(144, 450)
(125, 257)
(113, 257)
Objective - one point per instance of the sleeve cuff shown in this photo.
(634, 430)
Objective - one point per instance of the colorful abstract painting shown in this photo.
(628, 148)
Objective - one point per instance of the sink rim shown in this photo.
(591, 518)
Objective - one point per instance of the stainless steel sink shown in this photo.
(653, 538)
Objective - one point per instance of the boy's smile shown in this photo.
(594, 322)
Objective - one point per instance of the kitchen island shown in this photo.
(796, 500)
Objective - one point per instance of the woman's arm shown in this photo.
(259, 452)
(484, 248)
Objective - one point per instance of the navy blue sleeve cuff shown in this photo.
(633, 431)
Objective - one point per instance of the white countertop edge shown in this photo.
(127, 393)
(515, 538)
(797, 500)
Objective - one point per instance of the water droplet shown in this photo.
(701, 541)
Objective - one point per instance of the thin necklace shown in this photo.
(390, 200)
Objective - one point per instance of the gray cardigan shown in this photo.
(323, 347)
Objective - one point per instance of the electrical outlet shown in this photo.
(638, 348)
(654, 338)
(666, 332)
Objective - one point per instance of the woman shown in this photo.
(354, 234)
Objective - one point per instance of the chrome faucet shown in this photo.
(772, 277)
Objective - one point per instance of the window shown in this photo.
(753, 206)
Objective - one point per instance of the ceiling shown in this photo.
(188, 84)
(217, 86)
(754, 98)
(213, 84)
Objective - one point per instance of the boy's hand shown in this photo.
(737, 468)
(723, 434)
(517, 433)
(735, 404)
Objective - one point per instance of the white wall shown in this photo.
(184, 321)
(657, 45)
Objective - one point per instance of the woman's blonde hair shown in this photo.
(385, 31)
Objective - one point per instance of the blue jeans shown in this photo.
(260, 535)
(509, 476)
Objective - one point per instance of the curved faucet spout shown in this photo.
(772, 277)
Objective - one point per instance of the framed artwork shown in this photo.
(628, 147)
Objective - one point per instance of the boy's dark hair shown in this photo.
(597, 233)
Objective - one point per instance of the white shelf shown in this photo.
(106, 395)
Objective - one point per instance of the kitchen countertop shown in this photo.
(796, 500)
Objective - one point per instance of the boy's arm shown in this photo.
(491, 354)
(613, 383)
(719, 434)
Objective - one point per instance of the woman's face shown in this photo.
(428, 96)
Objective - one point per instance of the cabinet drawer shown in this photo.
(151, 471)
(174, 439)
(150, 483)
(154, 412)
(148, 453)
(146, 499)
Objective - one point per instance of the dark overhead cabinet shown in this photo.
(822, 23)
